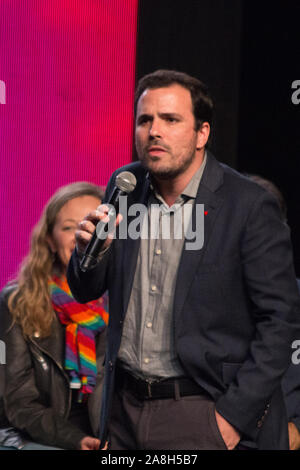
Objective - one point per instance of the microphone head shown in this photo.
(126, 181)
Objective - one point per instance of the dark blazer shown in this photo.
(37, 395)
(236, 305)
(291, 385)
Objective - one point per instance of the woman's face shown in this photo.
(62, 240)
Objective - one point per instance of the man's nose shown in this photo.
(155, 130)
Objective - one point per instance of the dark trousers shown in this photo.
(181, 423)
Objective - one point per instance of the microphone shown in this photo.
(125, 184)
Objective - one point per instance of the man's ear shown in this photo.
(203, 135)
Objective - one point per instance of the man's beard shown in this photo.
(167, 173)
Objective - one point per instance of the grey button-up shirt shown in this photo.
(147, 347)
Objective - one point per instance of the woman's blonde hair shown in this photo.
(30, 303)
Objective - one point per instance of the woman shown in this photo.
(54, 346)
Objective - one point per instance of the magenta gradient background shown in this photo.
(69, 68)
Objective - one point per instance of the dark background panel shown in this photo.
(248, 53)
(269, 130)
(202, 39)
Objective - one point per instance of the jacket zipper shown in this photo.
(62, 371)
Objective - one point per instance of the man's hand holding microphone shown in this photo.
(96, 231)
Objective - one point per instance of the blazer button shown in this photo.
(111, 366)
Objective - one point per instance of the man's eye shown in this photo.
(143, 121)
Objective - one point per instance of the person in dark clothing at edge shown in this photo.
(200, 334)
(291, 380)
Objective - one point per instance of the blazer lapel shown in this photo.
(211, 180)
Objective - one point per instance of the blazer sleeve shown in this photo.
(23, 405)
(270, 280)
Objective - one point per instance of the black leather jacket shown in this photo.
(37, 395)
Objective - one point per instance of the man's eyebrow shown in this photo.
(172, 115)
(144, 116)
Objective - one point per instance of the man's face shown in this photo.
(166, 139)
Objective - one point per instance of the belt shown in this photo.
(165, 388)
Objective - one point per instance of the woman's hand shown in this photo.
(89, 443)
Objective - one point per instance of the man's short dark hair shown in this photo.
(201, 100)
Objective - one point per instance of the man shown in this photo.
(198, 339)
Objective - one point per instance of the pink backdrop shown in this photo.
(68, 68)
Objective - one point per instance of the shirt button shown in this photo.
(146, 360)
(149, 324)
(158, 252)
(153, 288)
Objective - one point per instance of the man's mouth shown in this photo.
(156, 150)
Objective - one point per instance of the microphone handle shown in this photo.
(93, 249)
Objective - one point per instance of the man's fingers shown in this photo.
(119, 219)
(82, 236)
(87, 227)
(96, 215)
(90, 221)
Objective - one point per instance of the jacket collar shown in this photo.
(52, 345)
(207, 195)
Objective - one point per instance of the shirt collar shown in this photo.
(191, 189)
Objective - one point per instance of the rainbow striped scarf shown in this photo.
(83, 322)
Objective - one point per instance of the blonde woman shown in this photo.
(54, 346)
